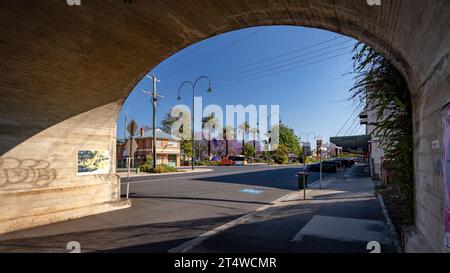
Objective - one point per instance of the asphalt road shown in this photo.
(166, 211)
(170, 211)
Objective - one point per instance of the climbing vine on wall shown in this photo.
(386, 93)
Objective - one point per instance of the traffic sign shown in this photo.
(132, 127)
(133, 149)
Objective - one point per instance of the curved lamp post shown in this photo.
(309, 134)
(193, 85)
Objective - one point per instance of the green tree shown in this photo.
(167, 122)
(186, 148)
(249, 151)
(280, 156)
(289, 140)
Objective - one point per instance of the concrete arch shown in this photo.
(66, 71)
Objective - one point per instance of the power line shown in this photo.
(275, 57)
(356, 129)
(265, 69)
(215, 53)
(282, 71)
(351, 126)
(343, 126)
(285, 60)
(227, 71)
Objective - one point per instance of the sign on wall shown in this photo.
(93, 162)
(446, 117)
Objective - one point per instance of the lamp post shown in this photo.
(193, 85)
(308, 134)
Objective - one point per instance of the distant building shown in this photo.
(168, 149)
(353, 144)
(376, 153)
(331, 150)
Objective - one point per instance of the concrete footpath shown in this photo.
(344, 216)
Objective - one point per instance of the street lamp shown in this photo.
(308, 134)
(193, 85)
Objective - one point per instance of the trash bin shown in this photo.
(138, 170)
(302, 175)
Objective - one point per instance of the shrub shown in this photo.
(280, 156)
(164, 169)
(216, 163)
(147, 167)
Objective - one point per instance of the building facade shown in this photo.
(353, 144)
(168, 149)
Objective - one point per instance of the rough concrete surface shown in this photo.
(54, 54)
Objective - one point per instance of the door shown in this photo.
(173, 160)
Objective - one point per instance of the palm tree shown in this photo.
(255, 132)
(209, 122)
(245, 129)
(228, 134)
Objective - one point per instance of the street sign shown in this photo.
(306, 148)
(131, 150)
(132, 127)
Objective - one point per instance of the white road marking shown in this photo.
(189, 245)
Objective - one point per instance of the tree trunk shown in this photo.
(209, 149)
(226, 147)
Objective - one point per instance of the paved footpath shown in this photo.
(342, 217)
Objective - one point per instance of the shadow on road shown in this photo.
(159, 238)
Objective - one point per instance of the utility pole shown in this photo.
(125, 125)
(155, 97)
(319, 154)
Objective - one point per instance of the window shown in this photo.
(172, 144)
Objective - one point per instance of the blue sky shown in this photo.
(297, 68)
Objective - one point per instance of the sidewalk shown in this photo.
(343, 216)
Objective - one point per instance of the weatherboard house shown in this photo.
(168, 148)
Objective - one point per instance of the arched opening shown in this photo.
(77, 87)
(308, 71)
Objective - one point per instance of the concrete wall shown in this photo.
(66, 71)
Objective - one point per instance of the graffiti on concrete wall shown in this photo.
(25, 173)
(93, 162)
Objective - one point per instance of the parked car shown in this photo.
(327, 166)
(345, 162)
(236, 160)
(313, 167)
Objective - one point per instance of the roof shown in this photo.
(159, 135)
